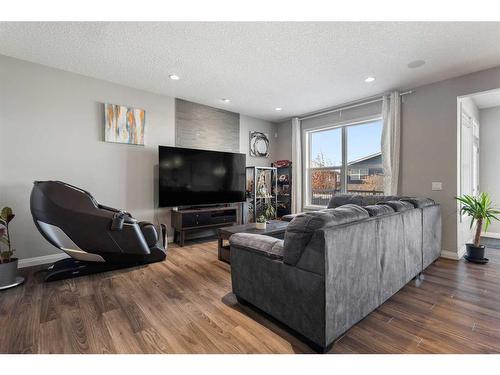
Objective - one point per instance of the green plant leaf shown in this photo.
(7, 214)
(479, 208)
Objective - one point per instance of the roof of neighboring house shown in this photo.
(372, 156)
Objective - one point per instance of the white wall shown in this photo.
(429, 144)
(284, 141)
(51, 128)
(247, 124)
(489, 157)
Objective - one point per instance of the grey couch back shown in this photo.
(306, 231)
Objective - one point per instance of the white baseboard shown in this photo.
(453, 254)
(491, 235)
(45, 259)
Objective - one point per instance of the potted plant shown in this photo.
(261, 222)
(8, 264)
(481, 211)
(268, 213)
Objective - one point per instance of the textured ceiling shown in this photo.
(301, 67)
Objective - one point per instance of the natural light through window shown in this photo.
(345, 159)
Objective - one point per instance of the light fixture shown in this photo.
(369, 79)
(278, 109)
(174, 77)
(225, 100)
(416, 64)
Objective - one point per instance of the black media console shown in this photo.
(197, 219)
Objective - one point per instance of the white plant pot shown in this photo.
(260, 225)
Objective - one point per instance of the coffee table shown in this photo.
(274, 228)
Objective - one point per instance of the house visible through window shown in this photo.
(343, 159)
(358, 174)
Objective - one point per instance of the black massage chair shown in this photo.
(96, 237)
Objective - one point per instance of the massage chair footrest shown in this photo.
(68, 268)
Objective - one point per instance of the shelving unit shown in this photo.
(261, 188)
(284, 189)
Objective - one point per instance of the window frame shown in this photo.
(359, 175)
(307, 138)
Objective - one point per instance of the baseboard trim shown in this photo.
(45, 259)
(491, 235)
(453, 254)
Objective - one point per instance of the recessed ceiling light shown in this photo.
(225, 100)
(174, 77)
(416, 64)
(369, 79)
(278, 109)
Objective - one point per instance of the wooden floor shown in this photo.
(185, 305)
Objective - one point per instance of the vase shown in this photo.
(8, 274)
(260, 225)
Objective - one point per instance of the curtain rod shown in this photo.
(353, 104)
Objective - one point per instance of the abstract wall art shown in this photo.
(259, 144)
(124, 124)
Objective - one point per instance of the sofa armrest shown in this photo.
(256, 243)
(289, 217)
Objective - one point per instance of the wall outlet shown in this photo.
(437, 186)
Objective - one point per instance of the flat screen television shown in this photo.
(199, 177)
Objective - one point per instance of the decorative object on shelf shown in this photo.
(261, 191)
(284, 187)
(481, 211)
(8, 264)
(282, 163)
(259, 144)
(124, 124)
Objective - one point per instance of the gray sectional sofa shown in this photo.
(336, 265)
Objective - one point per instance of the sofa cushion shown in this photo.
(399, 206)
(419, 202)
(361, 200)
(343, 199)
(259, 244)
(301, 229)
(379, 209)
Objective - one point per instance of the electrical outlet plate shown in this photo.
(437, 186)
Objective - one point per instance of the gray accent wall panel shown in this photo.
(204, 127)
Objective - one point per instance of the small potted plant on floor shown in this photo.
(8, 264)
(481, 211)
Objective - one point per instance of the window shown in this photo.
(358, 174)
(343, 159)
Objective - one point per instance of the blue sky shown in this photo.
(362, 140)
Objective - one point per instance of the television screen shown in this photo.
(197, 177)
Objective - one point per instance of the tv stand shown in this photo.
(201, 207)
(198, 218)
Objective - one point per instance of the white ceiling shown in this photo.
(301, 67)
(487, 99)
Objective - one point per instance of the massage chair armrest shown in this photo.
(258, 244)
(107, 208)
(151, 234)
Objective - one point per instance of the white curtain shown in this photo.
(391, 139)
(296, 166)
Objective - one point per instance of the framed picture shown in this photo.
(124, 124)
(259, 144)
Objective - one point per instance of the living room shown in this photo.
(249, 187)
